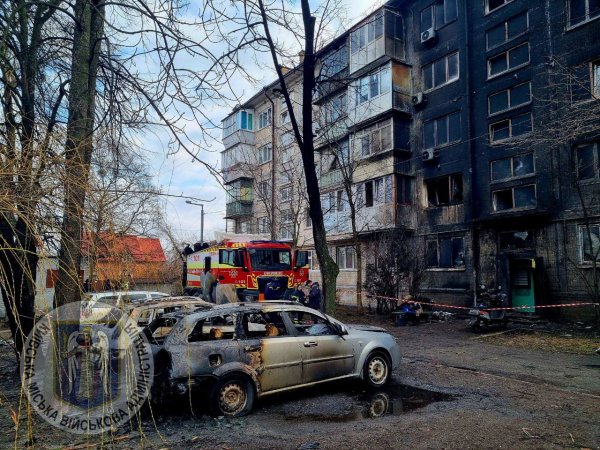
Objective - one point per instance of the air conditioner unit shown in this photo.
(430, 154)
(428, 35)
(419, 99)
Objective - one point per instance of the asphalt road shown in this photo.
(453, 390)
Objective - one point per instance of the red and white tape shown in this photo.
(505, 308)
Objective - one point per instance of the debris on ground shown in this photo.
(547, 341)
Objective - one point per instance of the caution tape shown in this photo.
(504, 308)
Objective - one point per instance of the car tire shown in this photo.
(377, 370)
(232, 396)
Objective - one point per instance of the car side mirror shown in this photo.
(339, 329)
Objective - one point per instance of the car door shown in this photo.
(271, 350)
(325, 355)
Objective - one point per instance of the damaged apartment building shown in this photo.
(464, 123)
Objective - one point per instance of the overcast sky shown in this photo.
(179, 175)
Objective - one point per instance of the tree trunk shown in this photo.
(79, 145)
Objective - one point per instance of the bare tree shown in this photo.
(254, 26)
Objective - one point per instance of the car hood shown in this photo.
(366, 328)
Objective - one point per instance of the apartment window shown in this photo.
(287, 224)
(265, 118)
(336, 108)
(286, 138)
(441, 72)
(366, 34)
(307, 219)
(313, 261)
(334, 62)
(245, 227)
(588, 161)
(373, 140)
(246, 121)
(442, 131)
(405, 190)
(346, 257)
(509, 98)
(589, 238)
(262, 225)
(509, 60)
(444, 191)
(520, 197)
(446, 253)
(507, 30)
(377, 191)
(514, 167)
(230, 157)
(286, 193)
(373, 85)
(284, 117)
(438, 15)
(580, 11)
(510, 128)
(492, 5)
(264, 189)
(265, 153)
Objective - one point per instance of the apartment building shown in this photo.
(443, 119)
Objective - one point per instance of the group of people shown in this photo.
(307, 294)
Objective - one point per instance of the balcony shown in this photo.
(331, 179)
(238, 208)
(239, 137)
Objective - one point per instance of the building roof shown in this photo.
(111, 246)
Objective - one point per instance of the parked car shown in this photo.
(144, 313)
(241, 351)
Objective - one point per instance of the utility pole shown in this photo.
(189, 202)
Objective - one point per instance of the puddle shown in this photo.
(395, 399)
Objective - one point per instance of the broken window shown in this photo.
(520, 197)
(446, 253)
(404, 195)
(378, 191)
(259, 325)
(492, 5)
(310, 324)
(513, 240)
(213, 328)
(508, 60)
(590, 243)
(588, 161)
(444, 190)
(264, 153)
(516, 166)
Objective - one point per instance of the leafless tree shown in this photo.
(262, 28)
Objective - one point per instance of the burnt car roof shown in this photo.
(274, 305)
(168, 301)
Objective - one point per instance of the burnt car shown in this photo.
(241, 351)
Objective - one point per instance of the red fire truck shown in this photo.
(245, 270)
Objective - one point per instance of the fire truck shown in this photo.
(246, 269)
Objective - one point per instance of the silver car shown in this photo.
(242, 351)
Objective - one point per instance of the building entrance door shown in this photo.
(522, 284)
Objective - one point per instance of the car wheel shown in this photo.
(376, 371)
(232, 396)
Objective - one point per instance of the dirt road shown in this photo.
(453, 390)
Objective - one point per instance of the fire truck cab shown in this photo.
(247, 271)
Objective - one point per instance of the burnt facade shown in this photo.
(461, 121)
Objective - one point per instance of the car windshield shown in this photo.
(269, 259)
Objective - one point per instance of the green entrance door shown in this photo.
(522, 284)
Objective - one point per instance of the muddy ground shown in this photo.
(454, 389)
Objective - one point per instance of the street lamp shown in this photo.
(189, 202)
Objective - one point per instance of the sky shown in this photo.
(177, 174)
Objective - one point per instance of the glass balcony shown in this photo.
(238, 208)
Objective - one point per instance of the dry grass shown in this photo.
(541, 340)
